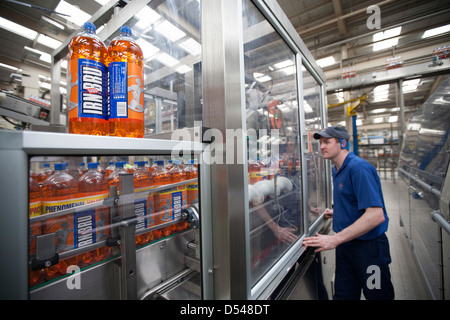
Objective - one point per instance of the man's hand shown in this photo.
(328, 213)
(321, 242)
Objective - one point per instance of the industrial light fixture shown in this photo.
(183, 69)
(191, 46)
(261, 77)
(410, 85)
(436, 31)
(167, 59)
(17, 29)
(48, 41)
(74, 14)
(148, 49)
(147, 17)
(388, 35)
(169, 31)
(381, 93)
(325, 62)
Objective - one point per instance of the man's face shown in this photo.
(329, 147)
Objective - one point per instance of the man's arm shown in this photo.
(371, 218)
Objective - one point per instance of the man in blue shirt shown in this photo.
(359, 222)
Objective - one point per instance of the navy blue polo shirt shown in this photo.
(356, 188)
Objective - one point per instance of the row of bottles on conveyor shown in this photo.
(60, 190)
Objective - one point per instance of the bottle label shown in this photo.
(78, 229)
(126, 89)
(169, 204)
(92, 90)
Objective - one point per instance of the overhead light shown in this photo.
(381, 110)
(410, 85)
(42, 55)
(436, 31)
(48, 41)
(102, 2)
(183, 69)
(387, 34)
(54, 23)
(169, 31)
(191, 46)
(378, 120)
(147, 17)
(8, 67)
(74, 14)
(167, 59)
(261, 77)
(393, 119)
(284, 64)
(148, 49)
(325, 62)
(307, 107)
(18, 29)
(381, 93)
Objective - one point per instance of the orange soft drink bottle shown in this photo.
(109, 169)
(192, 188)
(179, 193)
(35, 202)
(92, 187)
(163, 198)
(44, 173)
(143, 183)
(126, 86)
(59, 191)
(113, 178)
(88, 83)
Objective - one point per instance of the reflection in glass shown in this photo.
(314, 162)
(168, 33)
(273, 146)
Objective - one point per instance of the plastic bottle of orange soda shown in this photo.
(88, 83)
(126, 86)
(109, 169)
(163, 198)
(35, 202)
(59, 191)
(92, 187)
(192, 188)
(44, 173)
(143, 183)
(179, 193)
(113, 178)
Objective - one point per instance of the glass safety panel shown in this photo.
(77, 215)
(168, 33)
(273, 144)
(316, 183)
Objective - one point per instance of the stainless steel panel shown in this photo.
(423, 165)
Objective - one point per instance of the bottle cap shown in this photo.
(120, 164)
(60, 166)
(46, 165)
(160, 163)
(125, 29)
(89, 26)
(92, 165)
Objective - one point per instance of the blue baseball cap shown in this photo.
(333, 132)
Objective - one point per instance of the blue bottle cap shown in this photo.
(89, 26)
(125, 29)
(160, 163)
(60, 166)
(92, 165)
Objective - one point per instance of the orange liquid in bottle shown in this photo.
(87, 77)
(142, 183)
(125, 58)
(94, 186)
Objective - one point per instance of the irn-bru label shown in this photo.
(169, 204)
(126, 91)
(76, 230)
(88, 89)
(192, 192)
(143, 208)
